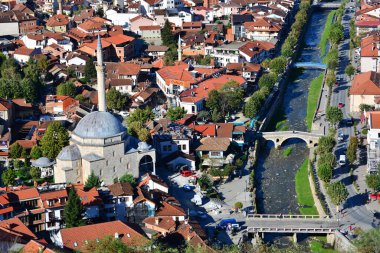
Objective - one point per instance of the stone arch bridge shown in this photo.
(279, 137)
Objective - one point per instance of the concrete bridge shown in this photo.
(292, 224)
(311, 65)
(279, 137)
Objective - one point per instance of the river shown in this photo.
(275, 173)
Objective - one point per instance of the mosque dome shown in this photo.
(98, 125)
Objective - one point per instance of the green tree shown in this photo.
(128, 178)
(35, 153)
(373, 182)
(89, 70)
(99, 12)
(336, 33)
(332, 64)
(66, 89)
(368, 242)
(216, 116)
(80, 98)
(337, 192)
(253, 105)
(365, 107)
(10, 81)
(73, 212)
(107, 245)
(351, 150)
(55, 138)
(15, 150)
(212, 101)
(330, 79)
(116, 100)
(9, 177)
(24, 153)
(349, 70)
(42, 64)
(144, 135)
(167, 35)
(92, 181)
(266, 63)
(140, 115)
(30, 90)
(203, 116)
(268, 80)
(287, 49)
(238, 205)
(278, 64)
(175, 113)
(325, 172)
(334, 115)
(327, 158)
(35, 172)
(325, 144)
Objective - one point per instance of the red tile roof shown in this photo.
(149, 27)
(79, 235)
(13, 230)
(58, 20)
(24, 194)
(252, 48)
(166, 209)
(36, 247)
(119, 39)
(24, 51)
(374, 118)
(366, 84)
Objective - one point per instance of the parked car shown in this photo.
(186, 173)
(225, 222)
(340, 136)
(187, 187)
(375, 196)
(340, 105)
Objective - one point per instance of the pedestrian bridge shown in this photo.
(326, 5)
(315, 65)
(278, 223)
(279, 137)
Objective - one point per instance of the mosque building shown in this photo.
(100, 144)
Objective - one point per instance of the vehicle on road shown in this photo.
(202, 215)
(187, 187)
(340, 136)
(186, 173)
(342, 160)
(225, 222)
(336, 84)
(340, 105)
(375, 196)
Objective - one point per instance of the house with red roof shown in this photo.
(193, 99)
(14, 231)
(58, 23)
(77, 238)
(257, 51)
(370, 52)
(23, 54)
(365, 89)
(151, 34)
(58, 105)
(373, 140)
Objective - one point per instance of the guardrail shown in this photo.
(286, 216)
(290, 230)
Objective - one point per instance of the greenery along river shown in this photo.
(275, 170)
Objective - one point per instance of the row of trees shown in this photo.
(277, 65)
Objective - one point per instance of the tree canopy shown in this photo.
(116, 100)
(352, 149)
(128, 178)
(89, 70)
(349, 70)
(92, 181)
(73, 213)
(334, 115)
(35, 153)
(175, 113)
(9, 177)
(373, 182)
(66, 89)
(140, 115)
(55, 138)
(35, 172)
(167, 36)
(337, 192)
(368, 242)
(15, 150)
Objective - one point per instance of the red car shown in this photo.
(340, 105)
(375, 196)
(336, 84)
(186, 173)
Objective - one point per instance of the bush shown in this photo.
(238, 205)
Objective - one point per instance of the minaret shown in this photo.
(100, 76)
(59, 11)
(179, 49)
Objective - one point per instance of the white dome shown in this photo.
(98, 125)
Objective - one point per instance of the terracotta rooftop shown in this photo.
(119, 39)
(14, 230)
(374, 119)
(24, 51)
(255, 47)
(121, 189)
(366, 83)
(58, 20)
(149, 27)
(166, 209)
(75, 238)
(214, 144)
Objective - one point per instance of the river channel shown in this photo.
(275, 173)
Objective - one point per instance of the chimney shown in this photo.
(156, 221)
(116, 235)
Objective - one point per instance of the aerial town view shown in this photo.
(190, 126)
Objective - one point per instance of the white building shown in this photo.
(373, 140)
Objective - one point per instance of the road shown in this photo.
(354, 212)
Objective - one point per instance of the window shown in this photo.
(215, 153)
(114, 169)
(100, 172)
(184, 147)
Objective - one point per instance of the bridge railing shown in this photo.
(290, 230)
(286, 216)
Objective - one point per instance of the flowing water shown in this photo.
(275, 173)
